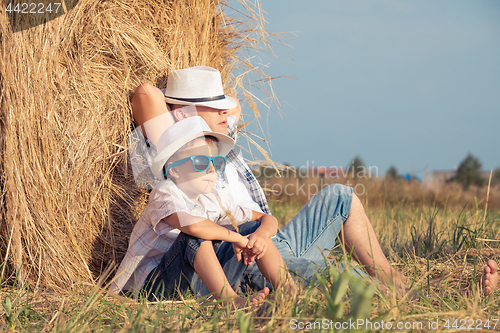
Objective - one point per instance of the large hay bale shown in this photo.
(67, 197)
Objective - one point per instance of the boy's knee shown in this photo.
(356, 202)
(205, 244)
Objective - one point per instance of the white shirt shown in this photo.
(152, 237)
(238, 190)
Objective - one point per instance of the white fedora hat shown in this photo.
(199, 85)
(181, 133)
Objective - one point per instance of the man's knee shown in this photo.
(339, 196)
(356, 203)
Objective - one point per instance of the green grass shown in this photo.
(423, 242)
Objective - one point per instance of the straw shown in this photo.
(68, 200)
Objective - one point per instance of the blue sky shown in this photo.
(404, 83)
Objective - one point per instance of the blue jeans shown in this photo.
(305, 242)
(175, 274)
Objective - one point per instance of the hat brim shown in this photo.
(225, 144)
(221, 104)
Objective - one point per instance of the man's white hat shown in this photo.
(198, 85)
(181, 133)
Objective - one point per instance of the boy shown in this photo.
(161, 260)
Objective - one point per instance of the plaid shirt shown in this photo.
(246, 175)
(152, 237)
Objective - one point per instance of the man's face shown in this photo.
(216, 119)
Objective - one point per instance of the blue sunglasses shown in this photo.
(200, 163)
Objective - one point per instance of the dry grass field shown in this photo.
(425, 240)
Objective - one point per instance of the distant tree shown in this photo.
(357, 168)
(496, 176)
(392, 173)
(469, 172)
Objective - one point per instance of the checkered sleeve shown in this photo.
(232, 127)
(251, 183)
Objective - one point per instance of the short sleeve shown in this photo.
(163, 202)
(241, 214)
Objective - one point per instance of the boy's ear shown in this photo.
(174, 172)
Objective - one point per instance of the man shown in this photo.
(334, 213)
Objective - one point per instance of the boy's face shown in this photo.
(190, 181)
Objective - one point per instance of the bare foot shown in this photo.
(252, 300)
(490, 277)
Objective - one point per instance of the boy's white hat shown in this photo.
(198, 85)
(181, 133)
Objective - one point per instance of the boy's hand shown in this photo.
(239, 247)
(256, 247)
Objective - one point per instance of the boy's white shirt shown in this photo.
(152, 236)
(145, 253)
(142, 156)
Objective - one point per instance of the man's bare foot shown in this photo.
(490, 277)
(252, 300)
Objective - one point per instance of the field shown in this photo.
(425, 233)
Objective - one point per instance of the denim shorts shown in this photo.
(176, 275)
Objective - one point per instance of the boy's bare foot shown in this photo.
(252, 300)
(490, 277)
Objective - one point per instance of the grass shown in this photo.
(424, 242)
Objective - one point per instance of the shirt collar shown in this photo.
(207, 202)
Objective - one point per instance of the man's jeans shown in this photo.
(175, 273)
(305, 242)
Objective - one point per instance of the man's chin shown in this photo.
(222, 130)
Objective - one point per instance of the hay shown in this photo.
(67, 197)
